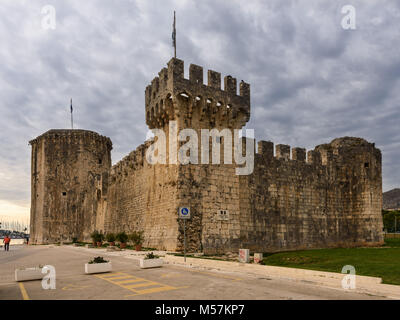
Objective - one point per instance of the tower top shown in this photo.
(69, 135)
(194, 104)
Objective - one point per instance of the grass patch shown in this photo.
(380, 262)
(392, 242)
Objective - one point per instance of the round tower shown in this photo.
(355, 165)
(68, 170)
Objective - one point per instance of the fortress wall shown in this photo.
(286, 204)
(292, 204)
(293, 200)
(221, 229)
(143, 197)
(208, 189)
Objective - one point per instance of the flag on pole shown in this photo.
(174, 35)
(72, 119)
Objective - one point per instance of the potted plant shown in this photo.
(150, 261)
(110, 237)
(137, 238)
(98, 265)
(122, 238)
(100, 239)
(95, 237)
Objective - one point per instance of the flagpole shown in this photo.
(174, 35)
(72, 117)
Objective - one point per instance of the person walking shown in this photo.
(6, 242)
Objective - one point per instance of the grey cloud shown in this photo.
(311, 81)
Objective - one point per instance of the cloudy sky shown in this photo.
(311, 80)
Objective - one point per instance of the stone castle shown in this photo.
(327, 197)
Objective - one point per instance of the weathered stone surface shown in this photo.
(332, 198)
(69, 176)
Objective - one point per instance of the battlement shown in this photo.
(71, 136)
(135, 160)
(171, 96)
(339, 150)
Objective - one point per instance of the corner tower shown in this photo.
(68, 168)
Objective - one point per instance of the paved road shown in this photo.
(128, 281)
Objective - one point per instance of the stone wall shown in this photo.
(142, 197)
(331, 200)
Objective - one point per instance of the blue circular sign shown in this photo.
(185, 211)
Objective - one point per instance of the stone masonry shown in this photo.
(327, 197)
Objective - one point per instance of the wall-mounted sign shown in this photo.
(184, 213)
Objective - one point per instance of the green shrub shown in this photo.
(110, 237)
(94, 235)
(122, 237)
(136, 237)
(97, 236)
(151, 256)
(98, 260)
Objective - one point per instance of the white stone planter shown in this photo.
(28, 274)
(151, 263)
(98, 267)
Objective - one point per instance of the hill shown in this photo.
(391, 199)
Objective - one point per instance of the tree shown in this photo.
(389, 218)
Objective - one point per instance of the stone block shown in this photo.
(258, 257)
(244, 255)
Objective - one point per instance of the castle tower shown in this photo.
(356, 166)
(191, 104)
(69, 168)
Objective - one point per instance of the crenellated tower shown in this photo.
(194, 104)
